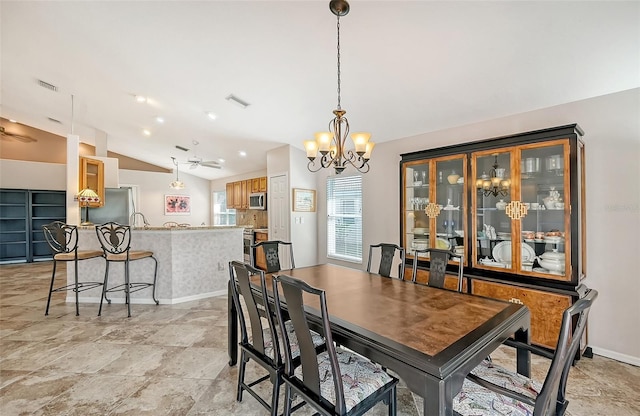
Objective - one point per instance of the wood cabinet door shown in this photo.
(261, 260)
(237, 195)
(546, 308)
(255, 185)
(229, 188)
(263, 184)
(92, 177)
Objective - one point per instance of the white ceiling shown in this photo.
(408, 67)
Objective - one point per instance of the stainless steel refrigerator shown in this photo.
(117, 207)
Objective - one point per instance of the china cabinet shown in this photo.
(514, 208)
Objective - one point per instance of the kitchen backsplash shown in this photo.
(252, 218)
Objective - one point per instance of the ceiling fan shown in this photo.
(196, 161)
(15, 136)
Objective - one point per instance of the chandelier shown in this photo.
(494, 184)
(332, 144)
(177, 184)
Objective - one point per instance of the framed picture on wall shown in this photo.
(177, 205)
(304, 200)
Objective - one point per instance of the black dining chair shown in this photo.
(336, 381)
(438, 260)
(272, 255)
(491, 389)
(259, 339)
(63, 241)
(115, 240)
(387, 255)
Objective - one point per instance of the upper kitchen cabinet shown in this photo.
(92, 177)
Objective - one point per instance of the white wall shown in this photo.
(17, 174)
(612, 135)
(304, 225)
(153, 186)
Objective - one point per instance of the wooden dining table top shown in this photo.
(426, 319)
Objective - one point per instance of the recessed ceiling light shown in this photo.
(12, 120)
(141, 99)
(221, 160)
(211, 115)
(242, 153)
(159, 120)
(146, 132)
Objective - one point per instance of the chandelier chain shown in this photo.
(338, 27)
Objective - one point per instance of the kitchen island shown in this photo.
(193, 263)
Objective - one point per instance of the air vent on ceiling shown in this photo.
(237, 101)
(184, 149)
(54, 120)
(47, 85)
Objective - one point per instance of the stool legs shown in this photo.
(53, 276)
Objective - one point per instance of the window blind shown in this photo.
(344, 218)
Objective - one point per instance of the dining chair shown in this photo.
(387, 256)
(115, 240)
(438, 260)
(259, 339)
(491, 389)
(336, 381)
(63, 241)
(272, 255)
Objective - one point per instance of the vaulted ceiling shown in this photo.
(408, 67)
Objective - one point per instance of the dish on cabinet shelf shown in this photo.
(442, 244)
(451, 208)
(502, 252)
(553, 239)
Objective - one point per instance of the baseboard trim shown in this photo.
(617, 356)
(149, 301)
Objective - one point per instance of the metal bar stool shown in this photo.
(115, 240)
(63, 240)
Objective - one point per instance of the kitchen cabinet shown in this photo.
(22, 215)
(261, 261)
(230, 195)
(513, 206)
(92, 177)
(238, 192)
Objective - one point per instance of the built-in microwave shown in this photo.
(258, 200)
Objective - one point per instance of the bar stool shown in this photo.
(63, 240)
(115, 240)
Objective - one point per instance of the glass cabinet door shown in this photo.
(544, 188)
(450, 197)
(416, 198)
(493, 230)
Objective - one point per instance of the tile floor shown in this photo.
(172, 360)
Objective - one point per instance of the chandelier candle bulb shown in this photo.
(324, 141)
(312, 149)
(360, 141)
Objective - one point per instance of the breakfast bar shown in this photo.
(192, 263)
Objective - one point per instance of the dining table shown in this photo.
(430, 337)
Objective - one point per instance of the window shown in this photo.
(344, 218)
(222, 215)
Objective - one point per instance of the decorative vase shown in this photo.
(501, 204)
(453, 178)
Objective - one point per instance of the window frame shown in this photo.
(350, 237)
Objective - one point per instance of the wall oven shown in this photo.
(247, 241)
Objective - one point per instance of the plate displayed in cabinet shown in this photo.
(442, 244)
(502, 252)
